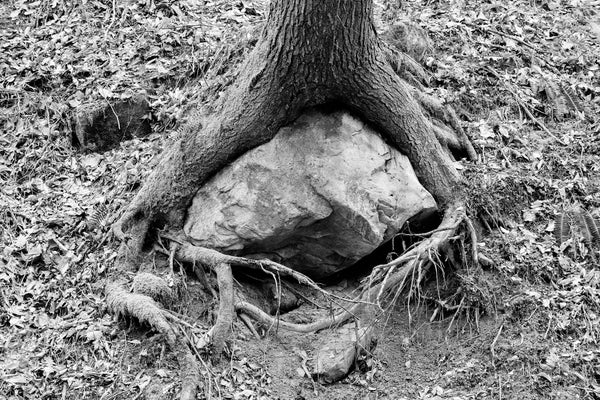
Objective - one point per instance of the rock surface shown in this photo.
(325, 192)
(336, 357)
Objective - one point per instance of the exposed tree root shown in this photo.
(311, 53)
(130, 253)
(152, 286)
(366, 308)
(386, 277)
(406, 67)
(220, 331)
(446, 125)
(146, 310)
(188, 252)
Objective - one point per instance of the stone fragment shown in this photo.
(335, 359)
(325, 192)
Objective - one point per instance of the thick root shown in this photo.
(269, 321)
(386, 101)
(366, 309)
(386, 277)
(146, 310)
(443, 118)
(220, 331)
(406, 67)
(153, 286)
(221, 264)
(139, 306)
(130, 252)
(188, 252)
(447, 126)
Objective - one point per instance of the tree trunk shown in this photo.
(311, 53)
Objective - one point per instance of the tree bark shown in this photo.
(311, 52)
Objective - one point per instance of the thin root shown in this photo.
(395, 279)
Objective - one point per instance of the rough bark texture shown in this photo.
(310, 53)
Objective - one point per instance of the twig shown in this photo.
(493, 345)
(201, 275)
(199, 357)
(458, 308)
(299, 294)
(177, 318)
(425, 234)
(387, 275)
(172, 260)
(112, 22)
(507, 35)
(485, 261)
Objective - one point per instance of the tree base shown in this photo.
(342, 63)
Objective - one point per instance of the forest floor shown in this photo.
(524, 77)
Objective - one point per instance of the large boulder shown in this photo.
(325, 192)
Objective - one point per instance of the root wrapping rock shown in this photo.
(335, 359)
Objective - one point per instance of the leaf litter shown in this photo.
(524, 79)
